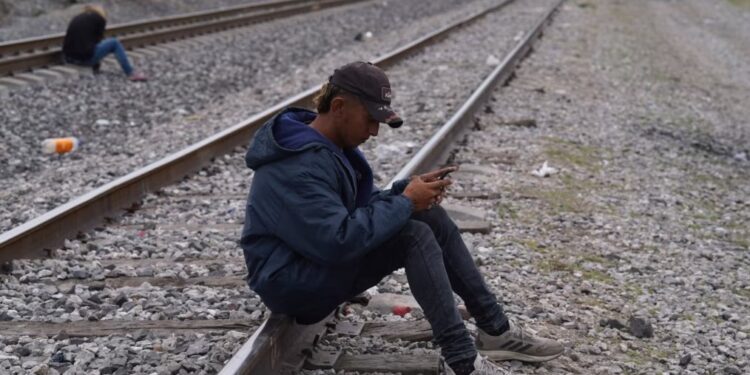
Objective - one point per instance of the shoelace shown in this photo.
(519, 332)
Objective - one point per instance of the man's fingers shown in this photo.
(434, 175)
(439, 184)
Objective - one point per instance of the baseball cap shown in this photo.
(370, 84)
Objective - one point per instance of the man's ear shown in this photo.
(337, 104)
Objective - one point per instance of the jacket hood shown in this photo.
(284, 135)
(289, 133)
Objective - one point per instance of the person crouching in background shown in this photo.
(85, 45)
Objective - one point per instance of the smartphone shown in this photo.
(445, 174)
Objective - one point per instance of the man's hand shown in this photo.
(425, 194)
(435, 175)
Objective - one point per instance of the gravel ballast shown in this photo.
(216, 82)
(190, 226)
(33, 18)
(635, 253)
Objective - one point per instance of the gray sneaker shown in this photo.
(517, 344)
(482, 366)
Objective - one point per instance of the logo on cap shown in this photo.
(386, 93)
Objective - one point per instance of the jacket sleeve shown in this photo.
(396, 189)
(101, 24)
(317, 225)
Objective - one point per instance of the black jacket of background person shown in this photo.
(84, 32)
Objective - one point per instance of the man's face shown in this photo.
(357, 125)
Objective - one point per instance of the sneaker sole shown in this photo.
(502, 355)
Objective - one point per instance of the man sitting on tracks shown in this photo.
(317, 232)
(83, 44)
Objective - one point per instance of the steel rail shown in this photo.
(143, 34)
(54, 40)
(436, 150)
(39, 236)
(262, 353)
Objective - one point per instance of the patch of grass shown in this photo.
(570, 197)
(703, 178)
(596, 259)
(599, 276)
(555, 265)
(591, 301)
(693, 125)
(650, 248)
(687, 316)
(634, 290)
(573, 154)
(562, 200)
(706, 209)
(595, 275)
(741, 240)
(649, 355)
(505, 210)
(741, 3)
(533, 246)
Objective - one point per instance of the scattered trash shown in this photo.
(401, 310)
(59, 145)
(741, 156)
(544, 171)
(102, 122)
(492, 60)
(392, 303)
(361, 37)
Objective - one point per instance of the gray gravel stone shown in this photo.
(640, 327)
(645, 218)
(249, 70)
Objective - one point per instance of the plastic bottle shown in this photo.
(59, 145)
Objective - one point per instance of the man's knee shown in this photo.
(418, 231)
(437, 219)
(422, 239)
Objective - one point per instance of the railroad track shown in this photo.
(27, 54)
(281, 346)
(189, 255)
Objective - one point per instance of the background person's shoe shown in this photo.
(482, 366)
(138, 77)
(517, 344)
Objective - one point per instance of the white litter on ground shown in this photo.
(544, 171)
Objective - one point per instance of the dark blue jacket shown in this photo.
(312, 214)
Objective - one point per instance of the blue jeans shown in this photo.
(104, 48)
(437, 262)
